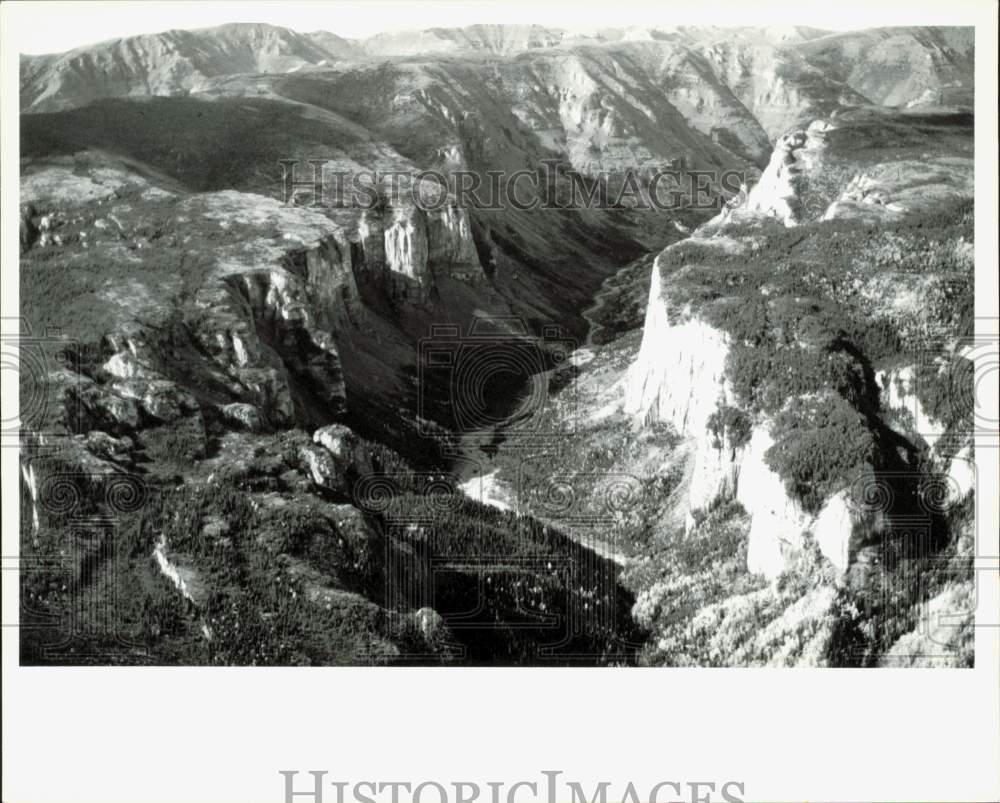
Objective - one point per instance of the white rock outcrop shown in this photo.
(30, 479)
(678, 378)
(778, 192)
(898, 393)
(961, 476)
(184, 579)
(776, 520)
(416, 246)
(679, 374)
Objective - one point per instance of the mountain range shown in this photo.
(894, 66)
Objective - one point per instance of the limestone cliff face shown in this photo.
(255, 306)
(778, 522)
(779, 192)
(795, 155)
(267, 328)
(410, 247)
(279, 321)
(327, 269)
(678, 374)
(450, 245)
(811, 176)
(678, 378)
(270, 313)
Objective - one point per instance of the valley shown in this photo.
(265, 430)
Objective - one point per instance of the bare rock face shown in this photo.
(91, 406)
(450, 247)
(280, 322)
(679, 378)
(335, 459)
(244, 416)
(779, 192)
(267, 311)
(434, 632)
(339, 441)
(395, 241)
(778, 521)
(118, 450)
(324, 470)
(430, 623)
(407, 248)
(679, 374)
(350, 456)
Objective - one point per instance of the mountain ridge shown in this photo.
(916, 65)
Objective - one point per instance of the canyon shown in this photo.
(419, 433)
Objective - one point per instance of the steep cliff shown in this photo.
(222, 351)
(779, 344)
(679, 378)
(408, 247)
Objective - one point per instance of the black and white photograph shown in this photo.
(403, 338)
